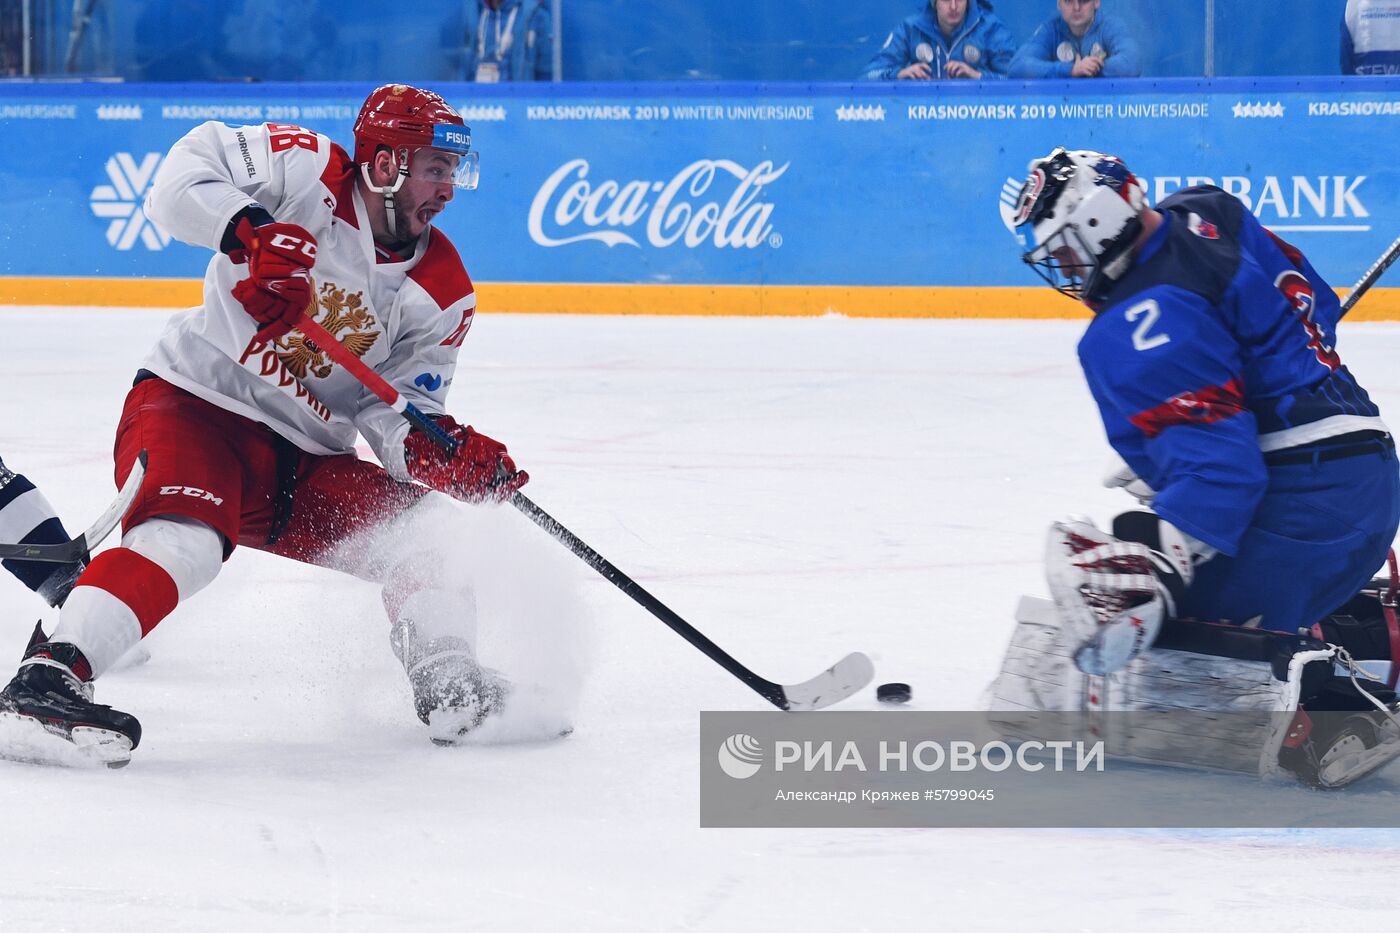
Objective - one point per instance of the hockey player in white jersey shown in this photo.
(251, 429)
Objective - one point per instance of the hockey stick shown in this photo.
(79, 548)
(1372, 275)
(832, 685)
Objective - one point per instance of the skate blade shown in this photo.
(527, 715)
(496, 732)
(26, 740)
(1351, 761)
(452, 726)
(485, 735)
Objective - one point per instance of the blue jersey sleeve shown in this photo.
(1166, 375)
(1124, 60)
(1001, 48)
(1036, 59)
(893, 56)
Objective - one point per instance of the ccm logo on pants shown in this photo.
(191, 491)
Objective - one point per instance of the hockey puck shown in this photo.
(893, 693)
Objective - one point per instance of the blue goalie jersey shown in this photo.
(1215, 350)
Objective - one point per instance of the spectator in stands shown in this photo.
(948, 39)
(1079, 43)
(509, 40)
(1371, 37)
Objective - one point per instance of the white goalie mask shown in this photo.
(1078, 216)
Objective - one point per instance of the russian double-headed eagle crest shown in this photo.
(336, 311)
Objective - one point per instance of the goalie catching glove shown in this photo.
(278, 288)
(1113, 591)
(478, 470)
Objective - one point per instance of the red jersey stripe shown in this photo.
(339, 180)
(1212, 403)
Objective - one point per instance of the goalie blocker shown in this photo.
(1318, 707)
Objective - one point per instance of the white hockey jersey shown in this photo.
(406, 319)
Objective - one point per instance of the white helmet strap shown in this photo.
(388, 191)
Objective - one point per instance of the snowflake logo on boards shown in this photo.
(1257, 109)
(119, 112)
(740, 756)
(863, 112)
(1010, 196)
(121, 200)
(301, 355)
(482, 114)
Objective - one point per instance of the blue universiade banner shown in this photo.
(815, 185)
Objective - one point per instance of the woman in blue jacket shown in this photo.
(949, 39)
(1079, 43)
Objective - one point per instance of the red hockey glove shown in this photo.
(277, 291)
(480, 470)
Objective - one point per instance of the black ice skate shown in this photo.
(47, 714)
(452, 693)
(1348, 726)
(1341, 735)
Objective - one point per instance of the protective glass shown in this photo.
(460, 169)
(450, 138)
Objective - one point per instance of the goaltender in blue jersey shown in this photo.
(1223, 330)
(1272, 480)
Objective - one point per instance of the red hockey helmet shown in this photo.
(404, 119)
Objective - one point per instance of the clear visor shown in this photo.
(1063, 260)
(442, 166)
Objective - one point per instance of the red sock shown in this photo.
(139, 582)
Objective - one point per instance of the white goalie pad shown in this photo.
(1106, 594)
(1039, 675)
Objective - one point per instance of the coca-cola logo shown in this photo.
(695, 207)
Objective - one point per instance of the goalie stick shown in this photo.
(80, 548)
(1373, 274)
(831, 686)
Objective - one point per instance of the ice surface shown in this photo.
(797, 489)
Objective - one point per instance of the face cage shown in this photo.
(1074, 280)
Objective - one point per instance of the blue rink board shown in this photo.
(736, 184)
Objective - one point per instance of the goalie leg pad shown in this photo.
(1039, 675)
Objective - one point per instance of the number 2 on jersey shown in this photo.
(1149, 312)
